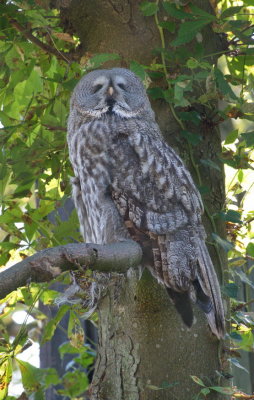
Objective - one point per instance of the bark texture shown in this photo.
(47, 264)
(142, 342)
(145, 352)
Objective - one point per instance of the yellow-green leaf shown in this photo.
(5, 377)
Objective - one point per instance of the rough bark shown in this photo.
(142, 342)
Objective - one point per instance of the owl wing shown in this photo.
(162, 209)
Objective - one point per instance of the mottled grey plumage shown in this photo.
(130, 183)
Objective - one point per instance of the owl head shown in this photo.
(108, 92)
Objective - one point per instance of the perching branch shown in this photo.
(47, 264)
(45, 47)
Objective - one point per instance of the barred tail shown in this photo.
(208, 292)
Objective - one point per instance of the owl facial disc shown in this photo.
(116, 92)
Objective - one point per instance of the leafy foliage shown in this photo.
(37, 74)
(36, 85)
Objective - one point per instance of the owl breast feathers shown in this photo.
(130, 184)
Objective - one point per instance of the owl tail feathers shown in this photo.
(208, 292)
(203, 301)
(182, 303)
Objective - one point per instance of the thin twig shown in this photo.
(45, 47)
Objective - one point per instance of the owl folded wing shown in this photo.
(159, 201)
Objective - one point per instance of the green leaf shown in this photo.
(223, 85)
(156, 93)
(48, 296)
(192, 116)
(27, 295)
(248, 138)
(75, 331)
(70, 84)
(231, 290)
(50, 377)
(192, 63)
(138, 69)
(23, 91)
(244, 278)
(166, 385)
(231, 11)
(205, 391)
(211, 164)
(169, 25)
(20, 339)
(12, 57)
(149, 8)
(24, 190)
(153, 387)
(37, 379)
(66, 231)
(224, 390)
(245, 38)
(237, 364)
(201, 13)
(75, 383)
(245, 318)
(236, 336)
(51, 326)
(67, 348)
(30, 376)
(231, 216)
(8, 245)
(240, 175)
(192, 138)
(223, 243)
(5, 377)
(231, 137)
(250, 249)
(85, 359)
(60, 112)
(99, 59)
(188, 31)
(237, 262)
(34, 82)
(176, 12)
(197, 380)
(179, 98)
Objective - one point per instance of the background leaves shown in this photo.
(37, 76)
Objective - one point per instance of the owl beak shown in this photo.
(110, 90)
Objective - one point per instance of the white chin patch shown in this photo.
(124, 113)
(98, 113)
(116, 110)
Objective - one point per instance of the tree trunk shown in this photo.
(142, 341)
(144, 345)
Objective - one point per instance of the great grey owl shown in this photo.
(130, 184)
